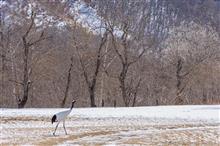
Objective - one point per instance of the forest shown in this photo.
(108, 53)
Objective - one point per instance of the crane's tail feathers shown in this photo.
(53, 119)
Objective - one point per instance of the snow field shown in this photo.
(161, 125)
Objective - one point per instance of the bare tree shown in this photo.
(189, 54)
(130, 41)
(68, 83)
(91, 77)
(124, 52)
(27, 44)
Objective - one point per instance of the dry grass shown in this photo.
(25, 118)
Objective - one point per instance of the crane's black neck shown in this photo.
(72, 106)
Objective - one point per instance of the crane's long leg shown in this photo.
(56, 128)
(64, 127)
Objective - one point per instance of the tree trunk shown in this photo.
(67, 84)
(115, 103)
(123, 91)
(23, 101)
(179, 88)
(103, 103)
(3, 54)
(3, 65)
(122, 78)
(135, 92)
(92, 97)
(204, 97)
(16, 92)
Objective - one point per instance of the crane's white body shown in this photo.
(62, 115)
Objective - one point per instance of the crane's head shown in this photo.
(73, 104)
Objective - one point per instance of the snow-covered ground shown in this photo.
(159, 125)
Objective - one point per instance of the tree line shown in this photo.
(145, 53)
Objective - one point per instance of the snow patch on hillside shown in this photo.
(88, 18)
(2, 3)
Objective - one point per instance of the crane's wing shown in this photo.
(62, 115)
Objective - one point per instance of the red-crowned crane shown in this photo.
(61, 116)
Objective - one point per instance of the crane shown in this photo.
(61, 116)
